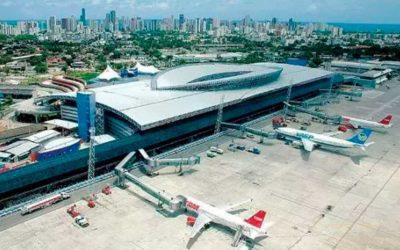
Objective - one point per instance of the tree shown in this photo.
(25, 38)
(101, 66)
(5, 59)
(315, 62)
(119, 66)
(116, 55)
(3, 37)
(6, 70)
(254, 57)
(8, 100)
(35, 60)
(41, 68)
(101, 58)
(64, 68)
(356, 54)
(169, 59)
(109, 48)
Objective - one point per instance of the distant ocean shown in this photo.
(368, 27)
(347, 27)
(42, 23)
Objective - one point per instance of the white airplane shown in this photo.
(359, 123)
(253, 228)
(310, 140)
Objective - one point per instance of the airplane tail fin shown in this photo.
(260, 232)
(257, 219)
(386, 120)
(362, 137)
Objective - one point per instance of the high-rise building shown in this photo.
(95, 25)
(181, 22)
(209, 24)
(216, 23)
(203, 27)
(152, 24)
(337, 32)
(167, 24)
(114, 20)
(83, 16)
(107, 22)
(65, 24)
(291, 25)
(124, 21)
(246, 21)
(72, 23)
(274, 22)
(133, 25)
(197, 26)
(172, 21)
(51, 26)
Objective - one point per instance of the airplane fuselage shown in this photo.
(316, 138)
(219, 216)
(360, 123)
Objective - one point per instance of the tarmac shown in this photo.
(329, 199)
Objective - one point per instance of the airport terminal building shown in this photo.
(188, 91)
(175, 104)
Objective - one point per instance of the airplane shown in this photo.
(347, 121)
(252, 228)
(359, 123)
(310, 140)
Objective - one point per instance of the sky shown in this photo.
(353, 11)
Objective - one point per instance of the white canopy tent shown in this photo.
(108, 75)
(150, 70)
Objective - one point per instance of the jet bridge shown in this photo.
(353, 93)
(336, 119)
(174, 204)
(152, 165)
(245, 129)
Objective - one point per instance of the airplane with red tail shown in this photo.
(252, 228)
(355, 123)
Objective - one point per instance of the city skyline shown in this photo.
(353, 11)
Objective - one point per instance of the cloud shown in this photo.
(312, 7)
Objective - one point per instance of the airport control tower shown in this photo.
(86, 104)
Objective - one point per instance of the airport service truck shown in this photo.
(44, 203)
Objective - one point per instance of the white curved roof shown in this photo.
(59, 143)
(42, 136)
(210, 74)
(147, 108)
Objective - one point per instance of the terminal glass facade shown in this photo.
(86, 102)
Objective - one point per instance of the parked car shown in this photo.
(254, 150)
(81, 221)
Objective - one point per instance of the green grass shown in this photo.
(83, 75)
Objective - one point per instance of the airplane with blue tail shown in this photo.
(310, 141)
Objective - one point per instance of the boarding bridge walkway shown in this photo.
(336, 119)
(246, 129)
(152, 165)
(174, 204)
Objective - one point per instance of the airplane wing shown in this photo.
(333, 134)
(308, 145)
(229, 208)
(201, 221)
(355, 125)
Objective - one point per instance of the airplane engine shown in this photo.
(297, 144)
(190, 220)
(343, 128)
